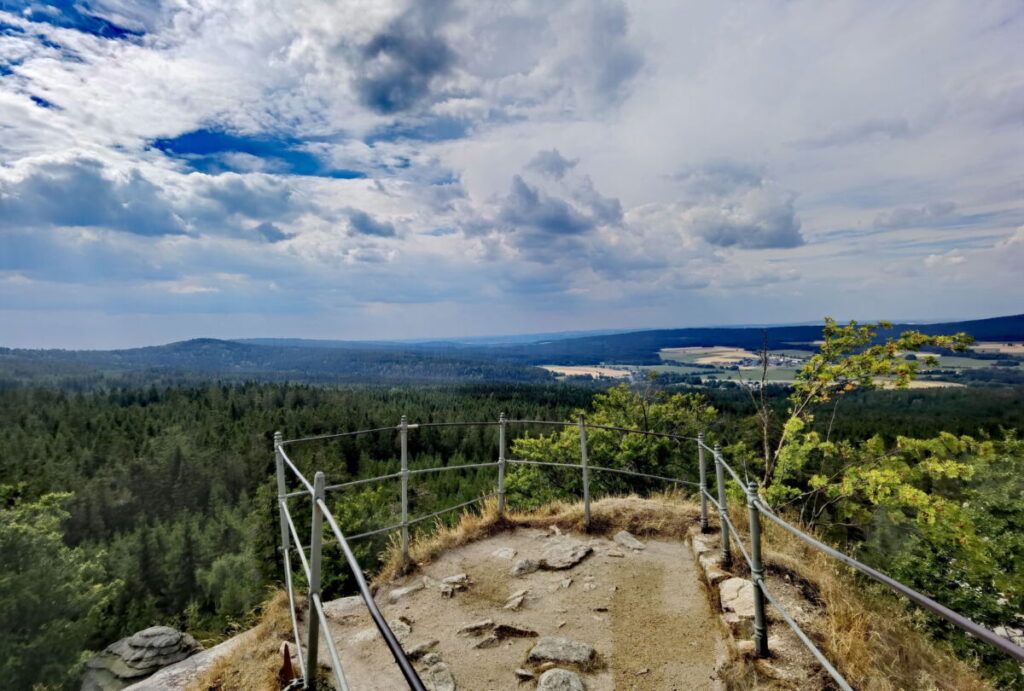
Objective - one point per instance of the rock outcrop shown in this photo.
(136, 657)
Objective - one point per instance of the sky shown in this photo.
(372, 169)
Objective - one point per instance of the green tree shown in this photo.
(50, 594)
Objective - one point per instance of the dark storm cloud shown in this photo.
(398, 65)
(772, 224)
(78, 193)
(528, 207)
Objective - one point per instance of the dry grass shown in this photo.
(867, 634)
(255, 666)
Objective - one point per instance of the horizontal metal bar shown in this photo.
(378, 531)
(339, 673)
(295, 536)
(291, 611)
(653, 477)
(453, 508)
(561, 423)
(296, 493)
(456, 424)
(337, 435)
(394, 646)
(353, 483)
(559, 465)
(833, 672)
(979, 632)
(443, 468)
(295, 470)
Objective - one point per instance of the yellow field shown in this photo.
(596, 372)
(707, 355)
(998, 347)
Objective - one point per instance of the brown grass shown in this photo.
(254, 666)
(865, 632)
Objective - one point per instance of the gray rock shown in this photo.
(524, 566)
(564, 554)
(400, 628)
(398, 593)
(431, 659)
(420, 650)
(552, 649)
(626, 539)
(438, 677)
(559, 680)
(138, 656)
(504, 553)
(503, 631)
(476, 628)
(523, 674)
(459, 580)
(515, 603)
(737, 595)
(489, 642)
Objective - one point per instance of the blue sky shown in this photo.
(371, 169)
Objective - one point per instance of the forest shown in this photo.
(129, 506)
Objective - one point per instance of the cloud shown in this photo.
(907, 216)
(527, 207)
(551, 163)
(893, 128)
(361, 223)
(397, 66)
(81, 192)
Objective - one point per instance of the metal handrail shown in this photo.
(754, 503)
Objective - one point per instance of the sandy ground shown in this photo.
(644, 612)
(592, 371)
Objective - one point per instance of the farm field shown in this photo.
(595, 372)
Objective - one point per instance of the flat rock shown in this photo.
(553, 649)
(503, 631)
(489, 642)
(737, 595)
(559, 680)
(138, 656)
(400, 628)
(398, 593)
(515, 603)
(626, 539)
(504, 553)
(476, 628)
(523, 567)
(438, 677)
(523, 674)
(564, 554)
(459, 580)
(420, 650)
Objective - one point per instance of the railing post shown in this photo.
(586, 472)
(315, 544)
(501, 464)
(286, 540)
(722, 506)
(404, 434)
(703, 483)
(757, 572)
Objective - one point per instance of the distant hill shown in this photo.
(228, 359)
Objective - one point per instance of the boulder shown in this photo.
(523, 567)
(564, 554)
(552, 649)
(559, 680)
(626, 539)
(136, 657)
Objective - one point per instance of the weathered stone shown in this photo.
(489, 642)
(523, 674)
(476, 628)
(459, 580)
(365, 635)
(552, 649)
(702, 544)
(618, 555)
(398, 593)
(447, 590)
(626, 539)
(438, 677)
(715, 575)
(431, 659)
(515, 603)
(524, 566)
(559, 680)
(564, 554)
(737, 595)
(504, 553)
(138, 656)
(565, 583)
(420, 650)
(400, 628)
(503, 631)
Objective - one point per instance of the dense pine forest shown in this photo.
(155, 504)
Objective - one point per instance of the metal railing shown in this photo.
(312, 566)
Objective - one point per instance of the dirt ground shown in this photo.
(596, 372)
(643, 611)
